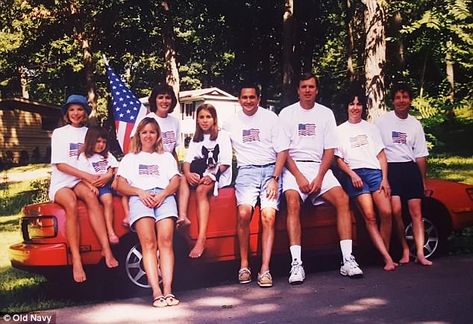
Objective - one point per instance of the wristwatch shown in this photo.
(275, 178)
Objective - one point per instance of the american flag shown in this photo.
(399, 137)
(126, 109)
(168, 137)
(100, 166)
(74, 149)
(358, 140)
(145, 169)
(306, 129)
(250, 135)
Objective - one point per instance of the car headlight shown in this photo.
(38, 227)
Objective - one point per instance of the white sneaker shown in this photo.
(297, 273)
(351, 269)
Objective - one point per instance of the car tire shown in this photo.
(437, 228)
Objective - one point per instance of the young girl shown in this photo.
(66, 186)
(149, 176)
(96, 159)
(207, 138)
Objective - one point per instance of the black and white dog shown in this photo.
(208, 165)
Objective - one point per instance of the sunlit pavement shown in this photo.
(412, 294)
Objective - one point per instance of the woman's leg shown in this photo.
(145, 228)
(203, 206)
(399, 226)
(97, 221)
(183, 202)
(415, 209)
(68, 200)
(107, 202)
(165, 235)
(366, 205)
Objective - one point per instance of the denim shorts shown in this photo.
(107, 189)
(371, 182)
(139, 210)
(251, 183)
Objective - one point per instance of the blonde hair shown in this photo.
(137, 146)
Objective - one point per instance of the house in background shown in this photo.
(25, 130)
(225, 104)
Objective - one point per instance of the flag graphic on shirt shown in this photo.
(250, 135)
(168, 137)
(399, 137)
(74, 149)
(100, 166)
(126, 109)
(358, 140)
(306, 129)
(145, 169)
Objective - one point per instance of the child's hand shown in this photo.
(95, 190)
(91, 179)
(206, 180)
(103, 179)
(193, 178)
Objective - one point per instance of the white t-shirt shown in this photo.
(359, 145)
(170, 131)
(66, 142)
(148, 170)
(403, 139)
(224, 157)
(310, 131)
(97, 164)
(256, 139)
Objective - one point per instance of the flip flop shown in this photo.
(171, 300)
(160, 302)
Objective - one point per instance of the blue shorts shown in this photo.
(251, 183)
(371, 182)
(107, 189)
(139, 210)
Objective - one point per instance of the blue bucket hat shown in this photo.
(76, 99)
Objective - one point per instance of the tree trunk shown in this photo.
(24, 82)
(287, 52)
(172, 72)
(350, 40)
(375, 57)
(449, 71)
(89, 73)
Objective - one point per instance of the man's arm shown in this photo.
(327, 158)
(272, 189)
(301, 180)
(422, 164)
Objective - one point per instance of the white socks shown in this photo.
(346, 247)
(296, 253)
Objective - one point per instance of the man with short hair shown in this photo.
(406, 152)
(311, 129)
(261, 149)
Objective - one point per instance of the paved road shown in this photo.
(412, 294)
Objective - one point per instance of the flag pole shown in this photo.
(105, 59)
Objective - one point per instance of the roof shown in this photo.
(29, 105)
(208, 93)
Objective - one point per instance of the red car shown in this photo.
(44, 246)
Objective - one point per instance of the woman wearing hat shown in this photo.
(66, 186)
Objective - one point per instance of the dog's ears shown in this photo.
(216, 150)
(205, 151)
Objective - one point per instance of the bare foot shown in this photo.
(113, 238)
(423, 261)
(182, 222)
(390, 266)
(110, 260)
(198, 249)
(405, 258)
(78, 272)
